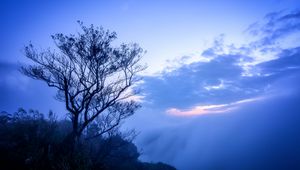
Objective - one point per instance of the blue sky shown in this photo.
(222, 83)
(166, 29)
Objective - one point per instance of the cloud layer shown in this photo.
(232, 73)
(236, 110)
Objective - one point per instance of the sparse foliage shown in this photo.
(93, 78)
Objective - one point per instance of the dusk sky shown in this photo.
(221, 90)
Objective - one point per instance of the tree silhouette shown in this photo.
(92, 77)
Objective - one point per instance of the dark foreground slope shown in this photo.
(28, 141)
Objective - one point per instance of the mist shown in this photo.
(259, 135)
(225, 113)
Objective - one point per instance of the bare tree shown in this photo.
(93, 78)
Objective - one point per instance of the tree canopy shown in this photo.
(92, 77)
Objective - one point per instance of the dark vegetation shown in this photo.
(31, 141)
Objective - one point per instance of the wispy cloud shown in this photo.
(231, 72)
(210, 109)
(219, 86)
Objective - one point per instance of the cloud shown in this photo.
(10, 76)
(221, 85)
(255, 84)
(260, 135)
(199, 110)
(287, 62)
(276, 28)
(230, 74)
(218, 81)
(190, 83)
(210, 109)
(19, 91)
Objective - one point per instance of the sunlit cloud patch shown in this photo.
(210, 109)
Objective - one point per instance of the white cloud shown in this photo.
(221, 85)
(211, 109)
